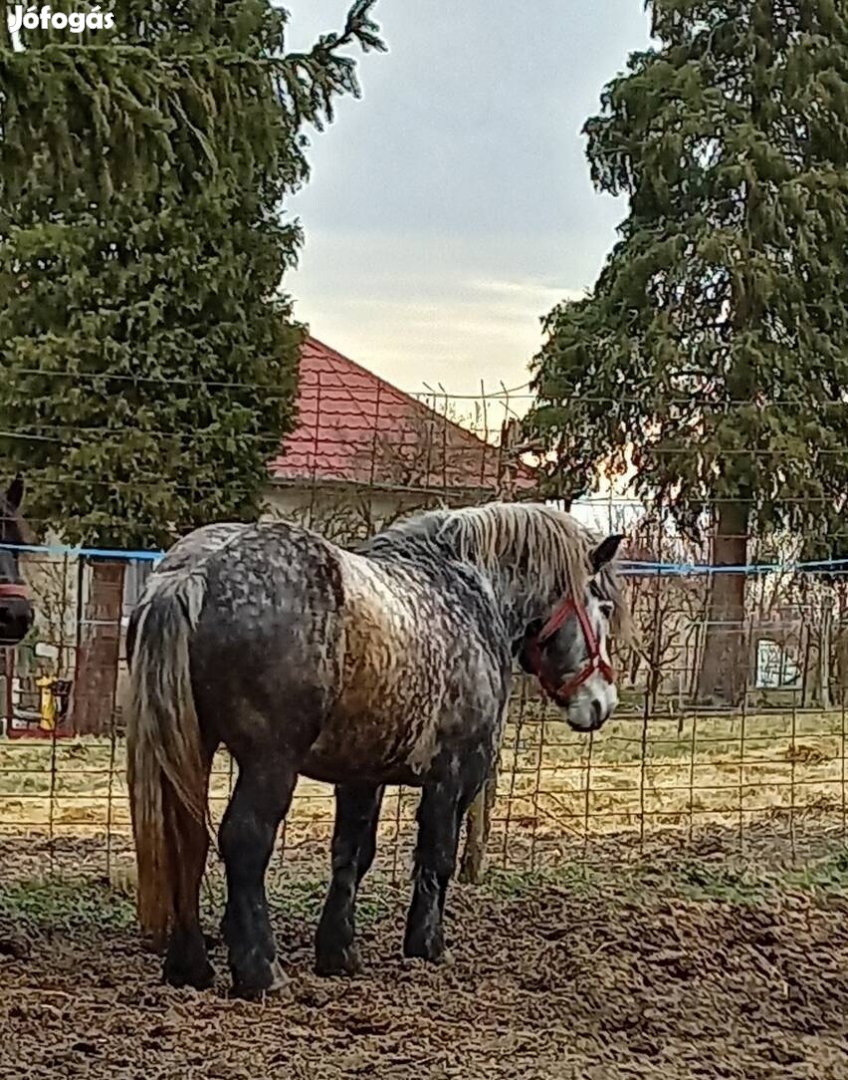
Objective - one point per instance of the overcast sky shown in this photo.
(450, 207)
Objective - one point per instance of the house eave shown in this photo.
(474, 491)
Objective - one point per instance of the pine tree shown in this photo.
(714, 345)
(148, 360)
(148, 357)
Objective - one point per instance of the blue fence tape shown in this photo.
(89, 553)
(832, 566)
(630, 567)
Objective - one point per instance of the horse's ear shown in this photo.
(605, 552)
(15, 494)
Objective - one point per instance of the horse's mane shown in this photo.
(509, 537)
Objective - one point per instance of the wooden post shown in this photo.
(98, 655)
(479, 818)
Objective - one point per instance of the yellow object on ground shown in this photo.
(49, 706)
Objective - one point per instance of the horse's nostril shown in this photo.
(597, 714)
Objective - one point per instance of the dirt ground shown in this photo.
(598, 978)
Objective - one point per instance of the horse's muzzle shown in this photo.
(16, 614)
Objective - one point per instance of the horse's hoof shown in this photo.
(273, 981)
(345, 962)
(426, 949)
(199, 977)
(279, 979)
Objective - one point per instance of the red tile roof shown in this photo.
(355, 428)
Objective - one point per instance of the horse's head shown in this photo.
(568, 652)
(16, 613)
(556, 587)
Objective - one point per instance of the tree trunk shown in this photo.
(841, 645)
(825, 648)
(724, 664)
(98, 655)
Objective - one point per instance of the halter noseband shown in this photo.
(8, 591)
(595, 662)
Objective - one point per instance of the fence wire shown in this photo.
(765, 773)
(771, 770)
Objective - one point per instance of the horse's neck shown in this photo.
(521, 595)
(518, 595)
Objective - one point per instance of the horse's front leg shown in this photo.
(354, 847)
(440, 813)
(260, 801)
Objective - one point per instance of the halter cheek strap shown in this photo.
(9, 591)
(595, 662)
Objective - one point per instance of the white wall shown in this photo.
(345, 515)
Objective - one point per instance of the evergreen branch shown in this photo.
(310, 81)
(142, 177)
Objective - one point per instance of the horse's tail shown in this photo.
(167, 770)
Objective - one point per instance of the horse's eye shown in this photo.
(606, 609)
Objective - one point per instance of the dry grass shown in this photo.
(556, 786)
(682, 774)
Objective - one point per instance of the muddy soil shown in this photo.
(554, 983)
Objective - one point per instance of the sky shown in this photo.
(450, 208)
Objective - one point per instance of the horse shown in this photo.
(16, 610)
(387, 664)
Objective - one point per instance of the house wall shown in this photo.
(348, 515)
(54, 583)
(60, 595)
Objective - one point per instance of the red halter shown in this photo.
(595, 662)
(16, 592)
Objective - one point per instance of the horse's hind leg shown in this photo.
(354, 847)
(186, 960)
(440, 814)
(260, 801)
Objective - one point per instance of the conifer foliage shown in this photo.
(148, 357)
(714, 345)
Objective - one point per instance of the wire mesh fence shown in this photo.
(663, 770)
(764, 770)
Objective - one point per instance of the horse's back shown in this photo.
(198, 544)
(363, 666)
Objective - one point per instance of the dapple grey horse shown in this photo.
(390, 664)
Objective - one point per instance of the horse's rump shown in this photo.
(267, 648)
